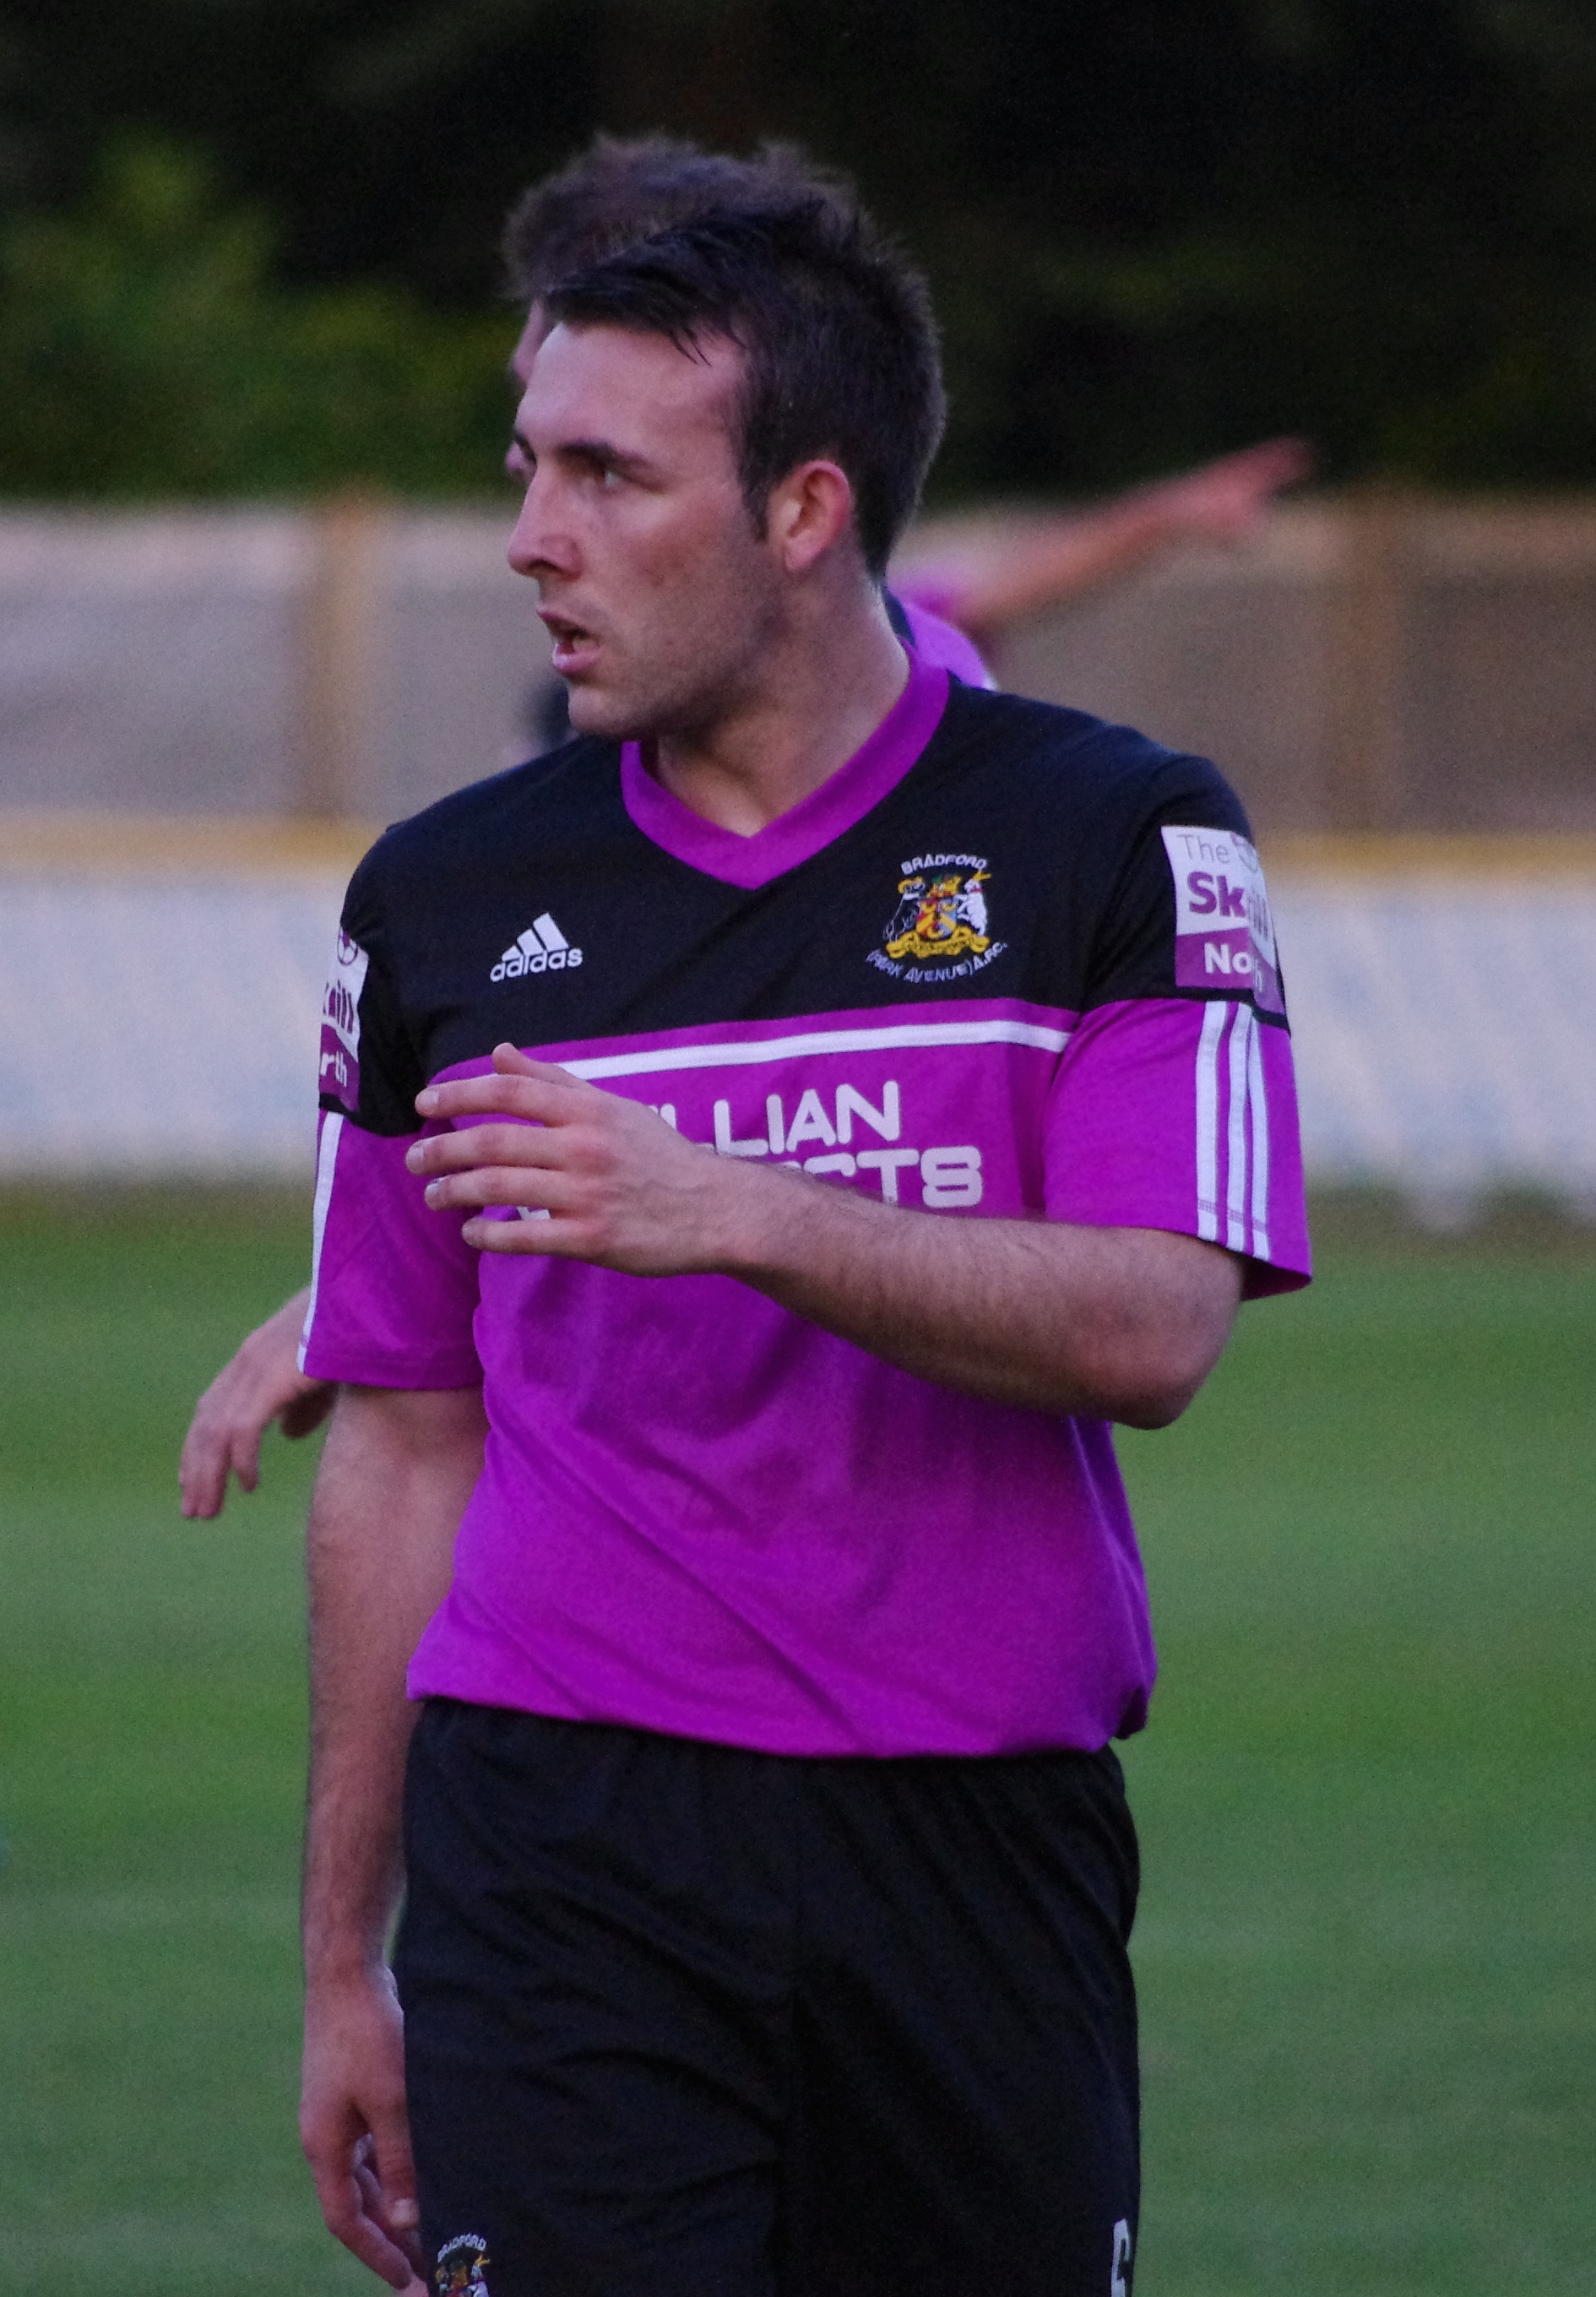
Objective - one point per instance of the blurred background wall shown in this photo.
(1388, 662)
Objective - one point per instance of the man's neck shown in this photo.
(820, 696)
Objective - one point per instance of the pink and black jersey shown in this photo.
(1008, 962)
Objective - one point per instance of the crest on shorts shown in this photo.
(461, 2264)
(941, 927)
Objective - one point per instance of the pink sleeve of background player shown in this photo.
(393, 1288)
(1175, 1113)
(937, 640)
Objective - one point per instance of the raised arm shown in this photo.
(263, 1382)
(397, 1471)
(1025, 566)
(1116, 1324)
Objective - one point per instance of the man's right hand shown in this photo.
(262, 1383)
(353, 2125)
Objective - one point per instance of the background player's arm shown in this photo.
(393, 1482)
(1116, 1324)
(263, 1382)
(1031, 564)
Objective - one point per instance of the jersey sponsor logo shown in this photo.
(542, 948)
(340, 1070)
(844, 1135)
(940, 930)
(460, 2266)
(1225, 933)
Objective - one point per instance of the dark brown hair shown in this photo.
(837, 334)
(625, 188)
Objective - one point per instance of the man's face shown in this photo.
(661, 598)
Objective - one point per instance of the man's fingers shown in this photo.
(519, 1186)
(476, 1145)
(539, 1090)
(1287, 459)
(202, 1496)
(554, 1240)
(212, 1451)
(396, 2181)
(344, 2207)
(1226, 499)
(243, 1453)
(1272, 462)
(201, 1472)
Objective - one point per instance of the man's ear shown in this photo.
(809, 512)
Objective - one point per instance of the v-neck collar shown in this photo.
(844, 797)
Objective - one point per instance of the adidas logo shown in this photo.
(542, 948)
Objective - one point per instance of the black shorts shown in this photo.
(685, 2020)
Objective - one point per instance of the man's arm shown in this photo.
(1112, 1323)
(1032, 563)
(262, 1383)
(1119, 1323)
(393, 1482)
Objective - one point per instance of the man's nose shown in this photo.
(539, 544)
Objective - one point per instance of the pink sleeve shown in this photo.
(1180, 1113)
(393, 1288)
(937, 641)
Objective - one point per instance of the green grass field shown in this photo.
(1369, 1924)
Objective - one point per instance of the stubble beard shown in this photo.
(684, 697)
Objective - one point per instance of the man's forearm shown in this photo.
(394, 1480)
(1112, 1324)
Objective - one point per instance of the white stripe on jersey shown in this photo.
(1215, 1016)
(326, 1157)
(1241, 1033)
(893, 1036)
(1260, 1114)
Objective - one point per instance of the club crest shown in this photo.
(942, 928)
(460, 2266)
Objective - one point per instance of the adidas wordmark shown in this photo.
(542, 948)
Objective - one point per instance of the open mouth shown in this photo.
(575, 648)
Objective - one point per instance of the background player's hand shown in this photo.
(604, 1179)
(1225, 501)
(262, 1383)
(354, 2128)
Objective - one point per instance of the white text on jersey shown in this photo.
(950, 1178)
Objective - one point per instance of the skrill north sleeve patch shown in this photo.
(339, 1072)
(1224, 934)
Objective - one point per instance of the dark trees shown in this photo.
(1155, 227)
